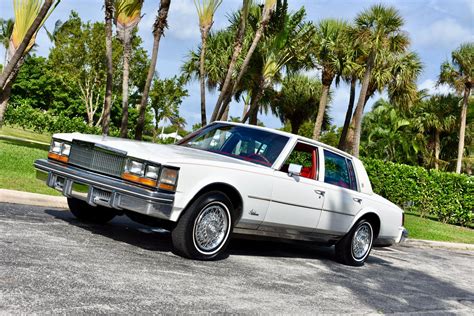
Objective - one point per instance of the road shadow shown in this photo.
(122, 229)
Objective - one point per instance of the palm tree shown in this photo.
(127, 17)
(377, 30)
(329, 45)
(206, 11)
(398, 74)
(285, 49)
(460, 75)
(30, 15)
(434, 117)
(109, 13)
(158, 30)
(296, 102)
(267, 11)
(238, 44)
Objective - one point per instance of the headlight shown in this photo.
(59, 150)
(168, 179)
(152, 172)
(135, 167)
(141, 172)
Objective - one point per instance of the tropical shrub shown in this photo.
(446, 196)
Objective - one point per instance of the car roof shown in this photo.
(290, 135)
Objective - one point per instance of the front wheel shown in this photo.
(88, 213)
(355, 247)
(203, 231)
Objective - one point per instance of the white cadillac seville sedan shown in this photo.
(226, 178)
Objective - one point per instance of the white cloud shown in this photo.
(432, 88)
(446, 33)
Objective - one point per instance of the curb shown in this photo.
(420, 243)
(35, 199)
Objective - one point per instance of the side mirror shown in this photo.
(294, 169)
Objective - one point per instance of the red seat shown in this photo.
(306, 172)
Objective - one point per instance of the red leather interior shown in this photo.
(306, 172)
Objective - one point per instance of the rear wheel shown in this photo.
(355, 247)
(88, 213)
(203, 231)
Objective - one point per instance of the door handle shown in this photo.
(357, 200)
(320, 192)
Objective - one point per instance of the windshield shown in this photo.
(249, 144)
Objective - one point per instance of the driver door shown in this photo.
(297, 200)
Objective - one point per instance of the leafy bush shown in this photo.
(447, 196)
(42, 121)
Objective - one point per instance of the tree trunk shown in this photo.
(4, 97)
(238, 44)
(38, 21)
(322, 108)
(436, 149)
(347, 120)
(359, 111)
(158, 29)
(127, 49)
(5, 93)
(253, 110)
(258, 35)
(225, 116)
(109, 14)
(462, 129)
(202, 76)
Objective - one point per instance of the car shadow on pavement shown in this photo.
(125, 230)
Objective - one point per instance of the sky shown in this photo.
(435, 27)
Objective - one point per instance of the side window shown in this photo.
(352, 175)
(306, 156)
(337, 171)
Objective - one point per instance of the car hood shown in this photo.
(163, 154)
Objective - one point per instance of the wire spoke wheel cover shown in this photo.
(211, 228)
(362, 241)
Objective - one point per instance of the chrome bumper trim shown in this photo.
(97, 189)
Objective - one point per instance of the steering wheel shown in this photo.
(259, 158)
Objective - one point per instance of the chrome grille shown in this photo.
(97, 158)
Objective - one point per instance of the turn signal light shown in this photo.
(137, 179)
(58, 157)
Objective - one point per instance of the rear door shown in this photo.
(343, 199)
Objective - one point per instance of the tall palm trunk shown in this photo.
(9, 68)
(253, 110)
(109, 13)
(437, 149)
(267, 12)
(202, 75)
(347, 120)
(158, 29)
(238, 44)
(359, 111)
(4, 97)
(127, 50)
(462, 128)
(5, 93)
(323, 101)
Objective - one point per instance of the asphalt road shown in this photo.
(51, 263)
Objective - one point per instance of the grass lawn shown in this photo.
(424, 228)
(25, 134)
(16, 166)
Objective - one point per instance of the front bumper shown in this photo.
(97, 189)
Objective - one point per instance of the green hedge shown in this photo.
(40, 121)
(447, 196)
